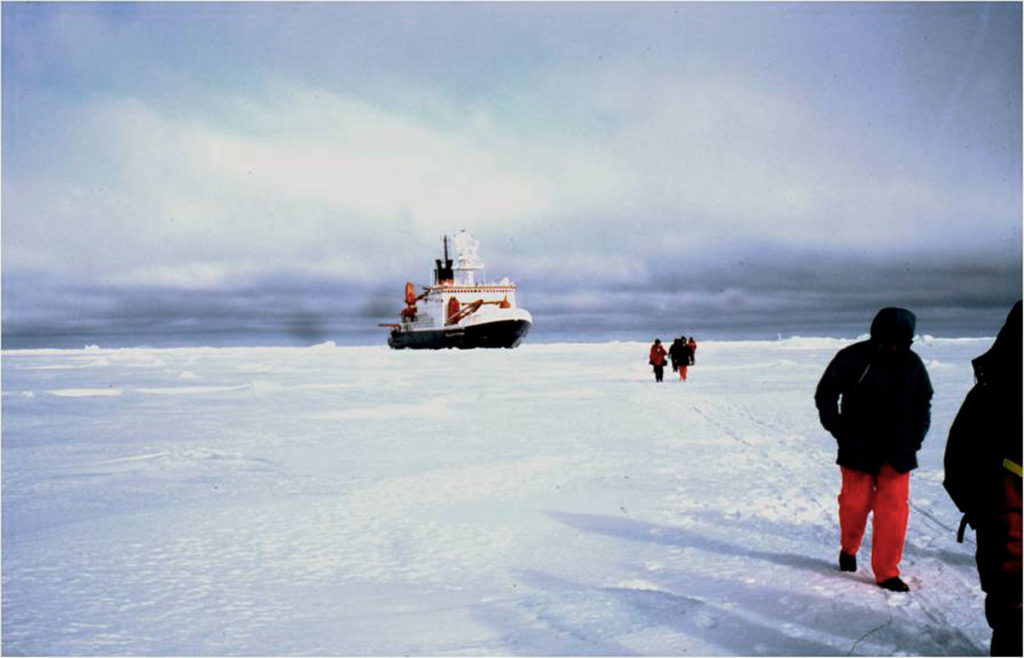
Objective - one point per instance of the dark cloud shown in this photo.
(291, 311)
(772, 290)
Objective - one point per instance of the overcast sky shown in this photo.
(787, 167)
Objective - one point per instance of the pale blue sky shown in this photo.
(776, 165)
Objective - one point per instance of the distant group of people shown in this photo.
(680, 354)
(875, 399)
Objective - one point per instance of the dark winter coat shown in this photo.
(986, 432)
(988, 427)
(681, 353)
(886, 397)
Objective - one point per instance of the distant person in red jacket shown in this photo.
(657, 359)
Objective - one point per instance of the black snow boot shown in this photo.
(894, 585)
(847, 562)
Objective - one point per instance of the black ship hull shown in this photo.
(502, 333)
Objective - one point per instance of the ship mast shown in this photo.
(443, 269)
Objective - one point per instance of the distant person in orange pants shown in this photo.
(682, 356)
(885, 414)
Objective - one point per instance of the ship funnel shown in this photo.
(443, 268)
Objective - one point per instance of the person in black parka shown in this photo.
(673, 353)
(983, 477)
(884, 415)
(682, 356)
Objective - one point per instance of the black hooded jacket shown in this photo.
(681, 353)
(988, 427)
(885, 395)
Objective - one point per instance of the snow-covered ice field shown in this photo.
(547, 500)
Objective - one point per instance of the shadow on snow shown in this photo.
(759, 619)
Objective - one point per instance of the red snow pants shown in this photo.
(888, 496)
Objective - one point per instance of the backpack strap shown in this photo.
(961, 529)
